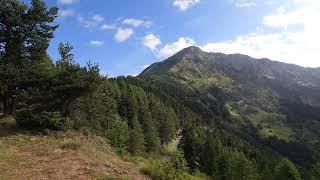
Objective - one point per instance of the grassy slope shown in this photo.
(271, 124)
(70, 155)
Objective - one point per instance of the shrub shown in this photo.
(70, 144)
(25, 118)
(43, 120)
(55, 121)
(176, 168)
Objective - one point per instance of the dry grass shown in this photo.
(71, 155)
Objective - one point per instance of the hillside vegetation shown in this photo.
(267, 102)
(196, 115)
(60, 155)
(276, 98)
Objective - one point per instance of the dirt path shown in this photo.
(173, 145)
(171, 148)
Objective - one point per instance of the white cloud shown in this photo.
(244, 3)
(137, 22)
(108, 27)
(96, 43)
(133, 74)
(133, 22)
(66, 12)
(151, 41)
(303, 15)
(87, 23)
(123, 34)
(254, 3)
(146, 66)
(97, 18)
(290, 34)
(185, 4)
(170, 49)
(272, 45)
(67, 1)
(92, 22)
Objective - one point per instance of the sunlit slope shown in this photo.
(275, 98)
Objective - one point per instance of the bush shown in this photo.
(25, 119)
(176, 168)
(43, 120)
(69, 144)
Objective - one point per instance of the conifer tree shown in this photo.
(211, 152)
(149, 129)
(136, 143)
(286, 170)
(315, 171)
(118, 134)
(132, 106)
(25, 33)
(152, 139)
(71, 80)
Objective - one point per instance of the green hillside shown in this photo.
(196, 115)
(276, 98)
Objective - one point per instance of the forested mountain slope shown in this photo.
(277, 98)
(267, 103)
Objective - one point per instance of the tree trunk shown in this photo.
(2, 105)
(66, 109)
(12, 105)
(5, 106)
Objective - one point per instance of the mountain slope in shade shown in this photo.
(276, 98)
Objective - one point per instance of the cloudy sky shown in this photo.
(125, 36)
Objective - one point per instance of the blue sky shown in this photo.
(125, 36)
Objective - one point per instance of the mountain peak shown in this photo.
(191, 49)
(192, 61)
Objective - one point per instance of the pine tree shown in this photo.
(136, 143)
(118, 134)
(23, 44)
(286, 170)
(239, 167)
(315, 171)
(247, 169)
(71, 80)
(178, 165)
(123, 102)
(176, 168)
(151, 136)
(211, 152)
(165, 118)
(109, 95)
(132, 106)
(189, 146)
(150, 131)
